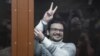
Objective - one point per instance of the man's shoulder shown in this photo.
(69, 46)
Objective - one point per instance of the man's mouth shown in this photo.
(57, 35)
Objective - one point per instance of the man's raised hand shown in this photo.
(49, 14)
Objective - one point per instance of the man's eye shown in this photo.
(61, 30)
(54, 29)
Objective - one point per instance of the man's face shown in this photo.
(56, 32)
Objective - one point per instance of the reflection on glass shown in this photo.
(5, 27)
(83, 24)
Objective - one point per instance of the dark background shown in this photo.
(89, 8)
(5, 24)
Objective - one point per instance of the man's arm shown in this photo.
(47, 17)
(66, 50)
(41, 25)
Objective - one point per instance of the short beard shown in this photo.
(56, 40)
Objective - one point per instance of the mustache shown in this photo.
(55, 34)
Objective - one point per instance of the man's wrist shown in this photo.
(44, 21)
(46, 42)
(42, 38)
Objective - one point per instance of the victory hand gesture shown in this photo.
(49, 14)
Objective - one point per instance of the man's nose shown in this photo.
(57, 31)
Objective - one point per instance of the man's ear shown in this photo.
(47, 32)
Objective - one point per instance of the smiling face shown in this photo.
(56, 32)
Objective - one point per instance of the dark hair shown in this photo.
(56, 20)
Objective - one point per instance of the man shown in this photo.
(55, 30)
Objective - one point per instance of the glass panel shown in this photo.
(82, 19)
(5, 27)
